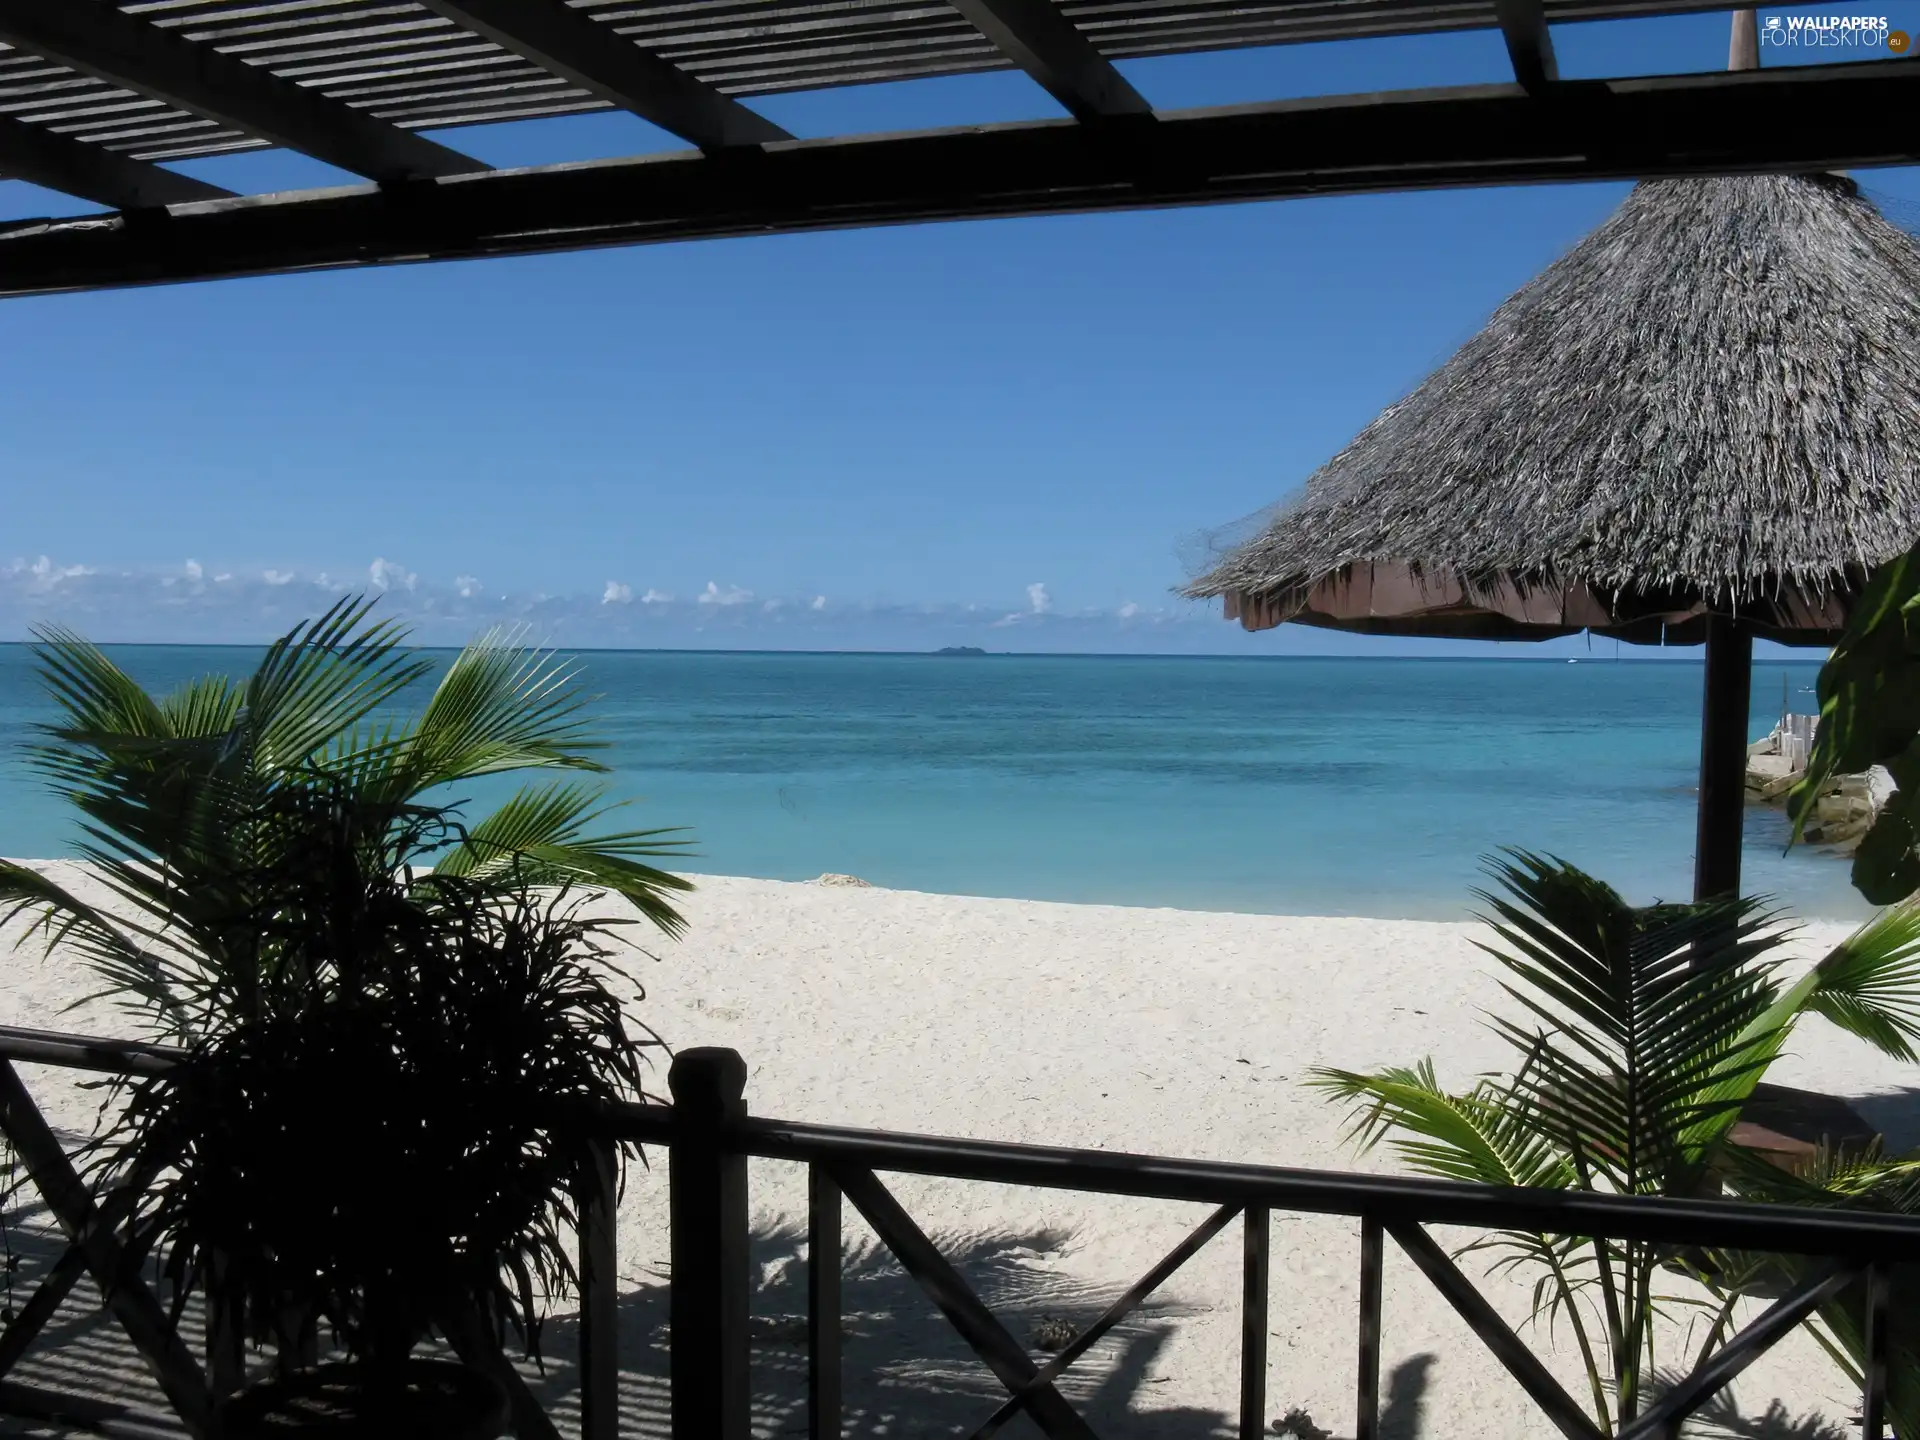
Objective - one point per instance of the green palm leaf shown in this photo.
(195, 807)
(1642, 1017)
(542, 835)
(500, 706)
(1482, 1136)
(96, 694)
(322, 679)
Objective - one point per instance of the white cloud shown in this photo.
(466, 586)
(732, 595)
(43, 574)
(773, 605)
(819, 603)
(616, 594)
(656, 597)
(223, 577)
(390, 575)
(277, 577)
(1038, 598)
(1129, 610)
(194, 572)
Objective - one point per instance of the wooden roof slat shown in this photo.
(1042, 41)
(1523, 25)
(599, 60)
(366, 55)
(95, 37)
(1806, 118)
(46, 157)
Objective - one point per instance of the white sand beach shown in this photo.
(1174, 1032)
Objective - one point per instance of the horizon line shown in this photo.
(1695, 655)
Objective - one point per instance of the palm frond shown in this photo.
(501, 706)
(202, 707)
(140, 963)
(324, 677)
(1638, 1049)
(95, 694)
(1869, 984)
(543, 835)
(1481, 1136)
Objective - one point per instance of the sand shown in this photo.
(1163, 1031)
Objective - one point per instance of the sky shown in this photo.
(1013, 433)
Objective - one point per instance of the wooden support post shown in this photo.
(1873, 1391)
(707, 1304)
(1253, 1327)
(596, 1206)
(1366, 1425)
(1726, 699)
(823, 1304)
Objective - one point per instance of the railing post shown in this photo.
(599, 1298)
(1366, 1425)
(1873, 1414)
(1253, 1327)
(707, 1304)
(823, 1305)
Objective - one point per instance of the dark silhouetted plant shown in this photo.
(397, 1143)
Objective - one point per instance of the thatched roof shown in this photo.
(1713, 401)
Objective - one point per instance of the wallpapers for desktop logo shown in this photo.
(1858, 32)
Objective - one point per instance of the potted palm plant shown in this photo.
(398, 1025)
(395, 1147)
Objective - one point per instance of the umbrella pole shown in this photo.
(1725, 708)
(1729, 678)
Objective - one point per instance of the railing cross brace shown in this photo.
(132, 1304)
(1113, 1315)
(1494, 1333)
(1775, 1323)
(965, 1311)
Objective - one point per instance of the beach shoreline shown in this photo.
(1180, 1033)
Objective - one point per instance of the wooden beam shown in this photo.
(1793, 118)
(1523, 25)
(600, 60)
(100, 40)
(1042, 41)
(58, 162)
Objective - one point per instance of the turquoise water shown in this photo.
(1302, 786)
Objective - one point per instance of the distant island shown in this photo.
(960, 650)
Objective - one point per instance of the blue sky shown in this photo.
(1002, 433)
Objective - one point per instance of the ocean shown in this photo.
(1368, 787)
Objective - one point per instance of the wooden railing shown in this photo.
(709, 1135)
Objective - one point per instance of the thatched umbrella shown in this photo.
(1702, 424)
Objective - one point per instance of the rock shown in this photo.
(1052, 1334)
(853, 880)
(1299, 1424)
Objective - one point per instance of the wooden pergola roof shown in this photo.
(95, 97)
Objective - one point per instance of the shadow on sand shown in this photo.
(906, 1374)
(1895, 1114)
